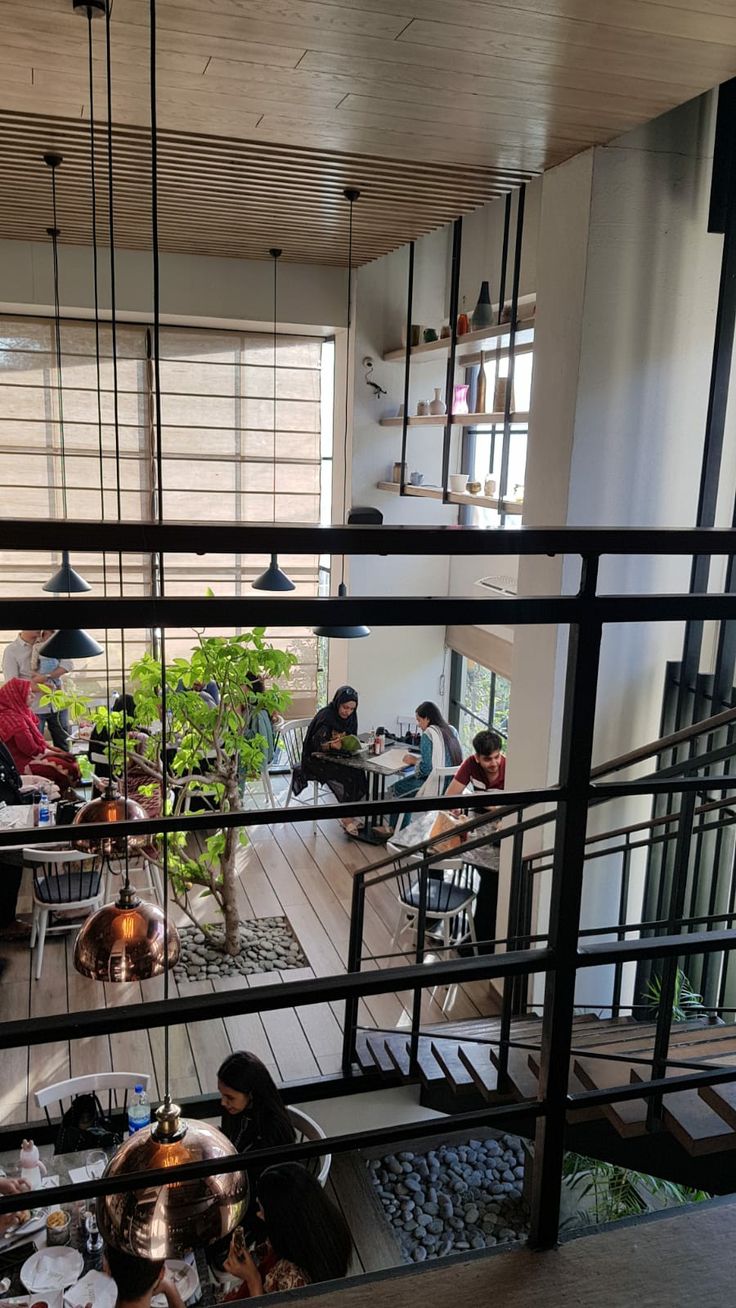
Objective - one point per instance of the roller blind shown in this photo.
(243, 441)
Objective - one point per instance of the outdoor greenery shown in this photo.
(686, 1003)
(608, 1193)
(217, 749)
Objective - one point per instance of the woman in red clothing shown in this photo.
(484, 770)
(19, 731)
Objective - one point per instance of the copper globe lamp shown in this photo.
(111, 807)
(166, 1221)
(126, 941)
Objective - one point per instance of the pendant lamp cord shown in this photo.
(351, 197)
(98, 365)
(160, 501)
(275, 254)
(115, 387)
(54, 234)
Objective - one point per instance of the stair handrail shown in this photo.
(662, 743)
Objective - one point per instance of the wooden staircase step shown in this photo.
(691, 1120)
(478, 1061)
(375, 1044)
(722, 1098)
(630, 1116)
(398, 1049)
(447, 1053)
(524, 1082)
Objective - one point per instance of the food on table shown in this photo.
(350, 744)
(57, 1219)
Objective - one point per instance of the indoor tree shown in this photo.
(211, 753)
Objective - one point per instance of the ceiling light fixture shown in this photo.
(345, 631)
(274, 578)
(158, 1222)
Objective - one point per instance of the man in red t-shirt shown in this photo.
(485, 769)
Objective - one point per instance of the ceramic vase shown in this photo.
(463, 324)
(437, 405)
(483, 311)
(460, 398)
(480, 390)
(422, 409)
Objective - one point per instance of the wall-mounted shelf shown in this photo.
(486, 338)
(453, 497)
(458, 420)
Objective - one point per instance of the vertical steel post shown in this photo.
(506, 436)
(416, 1008)
(623, 903)
(504, 255)
(457, 245)
(355, 959)
(670, 964)
(583, 659)
(407, 364)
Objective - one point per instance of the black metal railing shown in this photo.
(566, 952)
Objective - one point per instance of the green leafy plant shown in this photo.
(609, 1193)
(216, 752)
(686, 1002)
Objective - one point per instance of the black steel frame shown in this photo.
(566, 952)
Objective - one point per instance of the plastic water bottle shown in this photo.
(139, 1111)
(44, 812)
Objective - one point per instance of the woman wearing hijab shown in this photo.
(19, 732)
(325, 735)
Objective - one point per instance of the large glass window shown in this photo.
(247, 437)
(479, 698)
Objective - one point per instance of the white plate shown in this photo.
(51, 1297)
(94, 1288)
(53, 1268)
(184, 1278)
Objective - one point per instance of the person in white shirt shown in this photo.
(51, 670)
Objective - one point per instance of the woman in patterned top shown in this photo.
(308, 1237)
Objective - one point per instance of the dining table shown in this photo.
(380, 770)
(95, 1287)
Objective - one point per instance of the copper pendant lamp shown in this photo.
(126, 941)
(159, 1221)
(166, 1221)
(111, 807)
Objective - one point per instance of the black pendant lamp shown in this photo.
(65, 581)
(274, 578)
(74, 643)
(339, 631)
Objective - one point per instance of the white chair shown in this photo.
(54, 1096)
(307, 1129)
(292, 738)
(450, 899)
(435, 784)
(64, 880)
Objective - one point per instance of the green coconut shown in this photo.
(350, 744)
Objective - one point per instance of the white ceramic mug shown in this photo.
(458, 482)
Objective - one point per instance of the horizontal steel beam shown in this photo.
(303, 538)
(260, 609)
(266, 817)
(627, 951)
(288, 994)
(338, 1144)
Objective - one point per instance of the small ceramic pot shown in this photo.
(444, 331)
(423, 408)
(398, 473)
(489, 487)
(458, 482)
(416, 478)
(474, 487)
(463, 324)
(429, 335)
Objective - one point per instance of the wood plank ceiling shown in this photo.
(268, 108)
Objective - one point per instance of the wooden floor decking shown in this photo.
(300, 871)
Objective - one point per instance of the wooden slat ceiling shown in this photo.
(430, 106)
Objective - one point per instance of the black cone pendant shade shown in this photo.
(346, 632)
(274, 578)
(66, 581)
(72, 644)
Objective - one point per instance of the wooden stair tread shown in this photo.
(722, 1098)
(692, 1121)
(376, 1045)
(447, 1053)
(630, 1116)
(479, 1063)
(524, 1083)
(399, 1051)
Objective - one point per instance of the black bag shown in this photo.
(10, 782)
(84, 1126)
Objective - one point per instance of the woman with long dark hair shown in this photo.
(254, 1116)
(439, 748)
(325, 735)
(308, 1238)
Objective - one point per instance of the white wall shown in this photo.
(194, 288)
(627, 291)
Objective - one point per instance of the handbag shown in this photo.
(84, 1126)
(446, 825)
